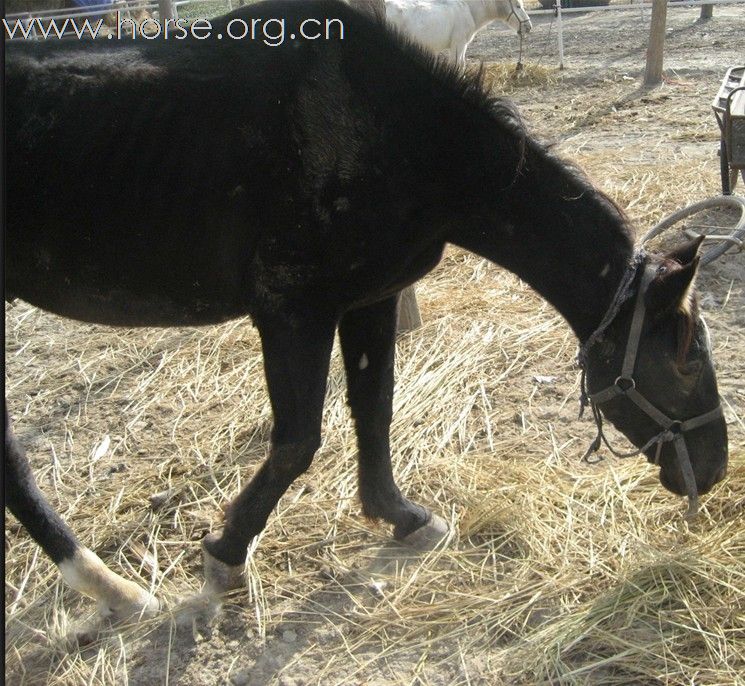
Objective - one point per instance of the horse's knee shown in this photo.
(290, 460)
(117, 597)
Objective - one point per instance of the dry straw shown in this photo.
(506, 76)
(556, 572)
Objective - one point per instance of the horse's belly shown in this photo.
(123, 306)
(128, 280)
(427, 27)
(431, 30)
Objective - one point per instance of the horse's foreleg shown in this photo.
(81, 568)
(296, 361)
(368, 345)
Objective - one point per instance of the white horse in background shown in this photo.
(451, 24)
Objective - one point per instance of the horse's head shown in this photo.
(513, 13)
(650, 373)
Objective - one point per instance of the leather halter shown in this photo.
(672, 430)
(513, 12)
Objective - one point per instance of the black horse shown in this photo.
(185, 182)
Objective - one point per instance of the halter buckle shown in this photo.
(624, 384)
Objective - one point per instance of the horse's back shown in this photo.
(138, 174)
(434, 24)
(166, 183)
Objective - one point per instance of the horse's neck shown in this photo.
(560, 235)
(486, 11)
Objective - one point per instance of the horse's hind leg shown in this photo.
(296, 362)
(368, 345)
(81, 568)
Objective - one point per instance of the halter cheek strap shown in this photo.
(672, 430)
(513, 12)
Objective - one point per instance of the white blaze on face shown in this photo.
(363, 361)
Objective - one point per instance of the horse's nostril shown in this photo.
(718, 476)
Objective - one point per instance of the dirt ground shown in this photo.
(320, 611)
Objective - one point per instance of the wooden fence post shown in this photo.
(409, 317)
(656, 44)
(707, 12)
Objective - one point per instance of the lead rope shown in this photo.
(519, 65)
(663, 437)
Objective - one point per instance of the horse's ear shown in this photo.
(671, 288)
(686, 252)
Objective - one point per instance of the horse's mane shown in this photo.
(474, 86)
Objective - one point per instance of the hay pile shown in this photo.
(505, 77)
(555, 572)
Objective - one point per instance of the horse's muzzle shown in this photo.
(676, 484)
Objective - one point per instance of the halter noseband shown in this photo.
(673, 430)
(513, 12)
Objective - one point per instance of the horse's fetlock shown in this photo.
(219, 576)
(116, 596)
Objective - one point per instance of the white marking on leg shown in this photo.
(220, 577)
(87, 574)
(363, 361)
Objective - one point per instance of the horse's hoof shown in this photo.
(132, 604)
(128, 602)
(429, 535)
(197, 610)
(220, 577)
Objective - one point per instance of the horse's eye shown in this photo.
(662, 269)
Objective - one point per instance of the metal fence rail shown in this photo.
(641, 7)
(84, 12)
(96, 10)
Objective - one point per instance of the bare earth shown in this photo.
(479, 429)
